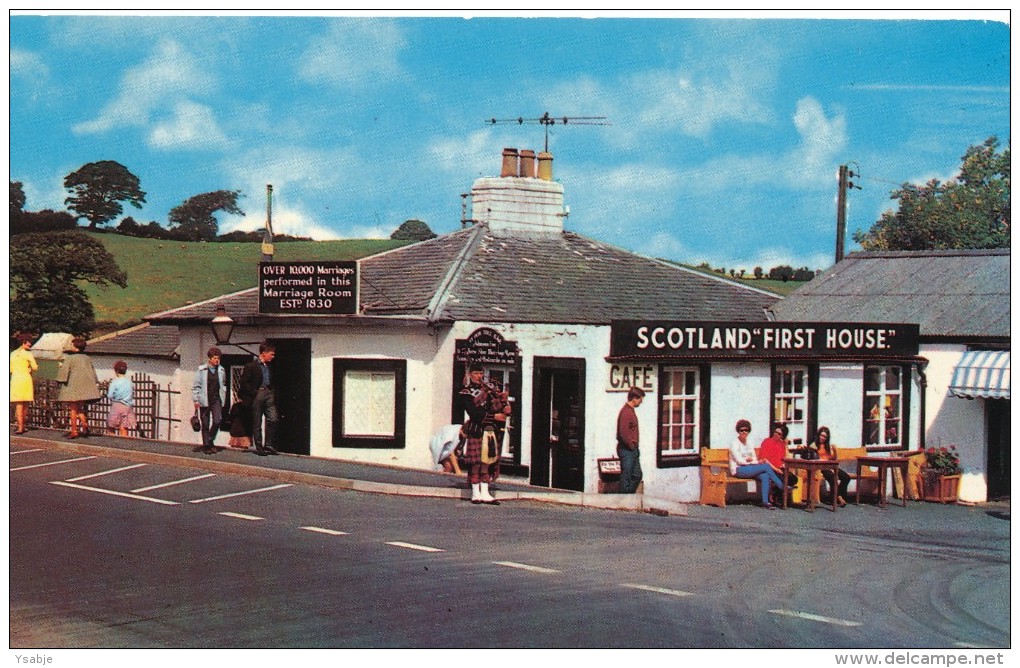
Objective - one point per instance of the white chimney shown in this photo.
(516, 204)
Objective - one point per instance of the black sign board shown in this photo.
(641, 338)
(486, 346)
(308, 288)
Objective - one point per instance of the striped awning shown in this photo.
(982, 374)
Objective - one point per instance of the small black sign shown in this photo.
(308, 288)
(638, 338)
(486, 346)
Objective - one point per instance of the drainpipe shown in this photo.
(921, 365)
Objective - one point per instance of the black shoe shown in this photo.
(198, 448)
(210, 450)
(261, 452)
(271, 450)
(476, 501)
(494, 502)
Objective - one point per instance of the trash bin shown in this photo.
(609, 475)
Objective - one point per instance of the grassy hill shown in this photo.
(164, 274)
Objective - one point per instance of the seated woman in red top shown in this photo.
(773, 450)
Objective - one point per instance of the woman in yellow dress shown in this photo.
(22, 391)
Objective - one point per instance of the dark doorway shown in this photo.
(292, 376)
(997, 411)
(557, 436)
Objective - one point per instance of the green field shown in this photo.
(166, 274)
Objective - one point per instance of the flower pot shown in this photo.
(940, 489)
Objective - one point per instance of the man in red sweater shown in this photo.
(627, 440)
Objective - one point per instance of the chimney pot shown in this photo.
(509, 162)
(545, 160)
(527, 163)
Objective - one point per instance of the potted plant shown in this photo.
(940, 475)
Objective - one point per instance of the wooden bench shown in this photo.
(715, 476)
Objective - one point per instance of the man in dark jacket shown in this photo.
(627, 440)
(257, 390)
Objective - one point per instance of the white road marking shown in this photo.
(62, 461)
(250, 491)
(174, 482)
(242, 517)
(412, 546)
(815, 618)
(525, 567)
(114, 493)
(96, 475)
(331, 532)
(657, 590)
(21, 452)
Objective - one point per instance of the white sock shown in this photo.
(476, 491)
(485, 492)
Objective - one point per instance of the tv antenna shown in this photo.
(547, 120)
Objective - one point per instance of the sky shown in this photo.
(723, 143)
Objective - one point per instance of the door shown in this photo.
(997, 411)
(557, 442)
(292, 376)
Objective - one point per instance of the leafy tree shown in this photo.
(413, 230)
(45, 271)
(17, 198)
(129, 227)
(98, 189)
(194, 219)
(972, 210)
(46, 220)
(758, 272)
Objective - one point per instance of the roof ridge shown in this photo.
(442, 294)
(160, 314)
(119, 332)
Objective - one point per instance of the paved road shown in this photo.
(111, 552)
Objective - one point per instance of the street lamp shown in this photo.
(222, 326)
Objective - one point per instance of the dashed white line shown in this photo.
(412, 546)
(101, 473)
(21, 452)
(114, 493)
(657, 590)
(525, 567)
(250, 491)
(62, 461)
(174, 482)
(815, 618)
(331, 532)
(239, 516)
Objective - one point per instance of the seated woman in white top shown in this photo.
(744, 464)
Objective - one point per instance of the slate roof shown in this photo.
(144, 339)
(950, 294)
(475, 275)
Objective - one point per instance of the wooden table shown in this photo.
(811, 466)
(883, 464)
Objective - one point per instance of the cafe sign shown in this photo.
(683, 339)
(308, 288)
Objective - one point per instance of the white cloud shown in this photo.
(480, 153)
(353, 52)
(192, 126)
(823, 139)
(31, 74)
(165, 79)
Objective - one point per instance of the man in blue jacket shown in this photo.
(209, 392)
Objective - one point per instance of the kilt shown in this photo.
(472, 461)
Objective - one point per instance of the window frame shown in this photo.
(904, 406)
(399, 368)
(701, 414)
(809, 395)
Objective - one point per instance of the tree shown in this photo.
(45, 271)
(17, 201)
(758, 272)
(46, 220)
(194, 218)
(972, 210)
(413, 230)
(98, 189)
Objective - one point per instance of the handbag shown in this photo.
(196, 423)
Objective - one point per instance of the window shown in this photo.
(790, 398)
(680, 413)
(883, 406)
(369, 403)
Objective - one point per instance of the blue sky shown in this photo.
(724, 147)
